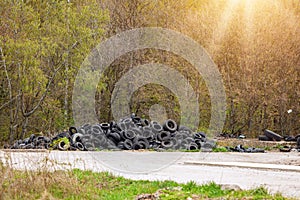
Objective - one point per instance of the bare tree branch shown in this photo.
(27, 114)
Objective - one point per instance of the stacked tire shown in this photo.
(131, 133)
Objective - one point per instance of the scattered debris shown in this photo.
(272, 136)
(285, 149)
(240, 148)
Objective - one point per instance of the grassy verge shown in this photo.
(78, 184)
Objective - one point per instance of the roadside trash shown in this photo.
(285, 149)
(242, 137)
(131, 133)
(232, 135)
(290, 139)
(270, 136)
(240, 148)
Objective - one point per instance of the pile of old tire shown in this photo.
(32, 142)
(131, 133)
(134, 133)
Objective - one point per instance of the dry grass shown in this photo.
(43, 184)
(268, 145)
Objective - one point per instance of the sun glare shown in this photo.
(233, 7)
(242, 1)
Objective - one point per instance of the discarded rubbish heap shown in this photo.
(132, 133)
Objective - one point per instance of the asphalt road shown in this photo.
(278, 172)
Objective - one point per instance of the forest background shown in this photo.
(255, 45)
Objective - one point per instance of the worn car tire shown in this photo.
(72, 130)
(114, 136)
(79, 146)
(163, 135)
(192, 146)
(263, 138)
(76, 137)
(128, 134)
(170, 125)
(105, 126)
(156, 127)
(127, 144)
(63, 146)
(272, 135)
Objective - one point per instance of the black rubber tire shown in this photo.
(120, 145)
(96, 130)
(81, 130)
(136, 146)
(127, 144)
(103, 139)
(131, 125)
(26, 141)
(192, 146)
(113, 124)
(272, 135)
(76, 137)
(85, 138)
(111, 146)
(148, 134)
(199, 135)
(285, 149)
(62, 146)
(114, 136)
(105, 126)
(163, 135)
(72, 130)
(168, 144)
(87, 127)
(98, 144)
(170, 125)
(128, 134)
(182, 144)
(47, 140)
(143, 142)
(136, 120)
(156, 127)
(29, 146)
(137, 131)
(31, 138)
(290, 139)
(198, 142)
(122, 126)
(79, 146)
(190, 139)
(89, 146)
(263, 138)
(145, 122)
(147, 128)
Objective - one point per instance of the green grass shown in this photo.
(220, 149)
(78, 184)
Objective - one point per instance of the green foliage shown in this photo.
(79, 184)
(220, 149)
(65, 141)
(43, 45)
(261, 78)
